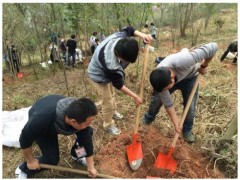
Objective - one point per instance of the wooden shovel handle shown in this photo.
(77, 171)
(186, 109)
(142, 86)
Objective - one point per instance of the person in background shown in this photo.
(101, 36)
(106, 70)
(48, 117)
(71, 50)
(178, 72)
(233, 48)
(93, 42)
(153, 30)
(63, 49)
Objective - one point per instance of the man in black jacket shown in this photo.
(71, 49)
(53, 115)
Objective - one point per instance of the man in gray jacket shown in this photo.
(106, 70)
(178, 71)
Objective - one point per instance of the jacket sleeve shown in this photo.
(26, 138)
(84, 138)
(197, 55)
(166, 99)
(116, 77)
(129, 30)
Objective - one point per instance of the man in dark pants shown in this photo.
(233, 48)
(53, 115)
(178, 71)
(71, 49)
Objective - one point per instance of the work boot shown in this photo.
(189, 137)
(145, 121)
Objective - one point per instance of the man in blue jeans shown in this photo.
(178, 71)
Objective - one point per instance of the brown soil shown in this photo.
(112, 159)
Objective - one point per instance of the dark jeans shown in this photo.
(73, 54)
(185, 86)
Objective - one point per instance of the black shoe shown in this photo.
(189, 137)
(145, 121)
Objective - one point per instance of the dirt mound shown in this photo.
(112, 159)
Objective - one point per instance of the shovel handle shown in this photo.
(142, 86)
(186, 108)
(77, 171)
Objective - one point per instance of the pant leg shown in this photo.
(112, 89)
(154, 107)
(50, 153)
(73, 58)
(105, 92)
(186, 89)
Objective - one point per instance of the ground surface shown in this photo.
(111, 158)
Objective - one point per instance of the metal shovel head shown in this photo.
(166, 162)
(19, 75)
(134, 153)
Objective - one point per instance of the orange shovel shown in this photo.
(134, 150)
(166, 161)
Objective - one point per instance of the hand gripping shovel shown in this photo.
(166, 161)
(134, 150)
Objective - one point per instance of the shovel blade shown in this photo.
(166, 162)
(134, 154)
(19, 75)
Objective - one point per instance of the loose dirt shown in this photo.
(112, 159)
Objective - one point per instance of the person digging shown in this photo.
(48, 117)
(178, 72)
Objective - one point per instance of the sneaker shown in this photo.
(81, 160)
(117, 115)
(145, 121)
(19, 174)
(113, 130)
(189, 137)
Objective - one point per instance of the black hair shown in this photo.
(94, 33)
(145, 25)
(152, 24)
(127, 48)
(81, 109)
(160, 78)
(73, 36)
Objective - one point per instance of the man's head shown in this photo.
(73, 36)
(81, 112)
(161, 79)
(146, 26)
(152, 24)
(127, 49)
(94, 33)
